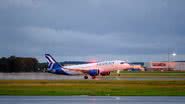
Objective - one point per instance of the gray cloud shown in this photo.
(92, 28)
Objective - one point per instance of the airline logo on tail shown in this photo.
(52, 64)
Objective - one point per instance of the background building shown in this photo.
(164, 66)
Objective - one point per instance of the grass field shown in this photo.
(92, 87)
(150, 74)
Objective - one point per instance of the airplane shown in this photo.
(92, 69)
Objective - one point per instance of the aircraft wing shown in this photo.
(80, 70)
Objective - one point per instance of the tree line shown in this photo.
(27, 64)
(20, 64)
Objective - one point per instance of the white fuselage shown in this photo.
(105, 66)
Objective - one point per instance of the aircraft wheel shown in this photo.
(85, 77)
(93, 77)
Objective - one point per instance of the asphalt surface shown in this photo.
(49, 76)
(90, 100)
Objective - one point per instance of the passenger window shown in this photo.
(122, 63)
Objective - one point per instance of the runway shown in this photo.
(49, 76)
(91, 100)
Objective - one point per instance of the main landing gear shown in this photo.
(85, 77)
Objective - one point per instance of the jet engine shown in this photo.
(93, 72)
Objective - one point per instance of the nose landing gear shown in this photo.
(93, 77)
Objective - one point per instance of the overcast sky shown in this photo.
(133, 30)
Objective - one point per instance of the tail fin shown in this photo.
(52, 64)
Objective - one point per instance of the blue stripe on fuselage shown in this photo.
(57, 69)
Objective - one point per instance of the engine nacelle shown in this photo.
(93, 72)
(104, 73)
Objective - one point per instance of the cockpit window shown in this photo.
(121, 62)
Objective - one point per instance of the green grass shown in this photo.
(151, 74)
(92, 87)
